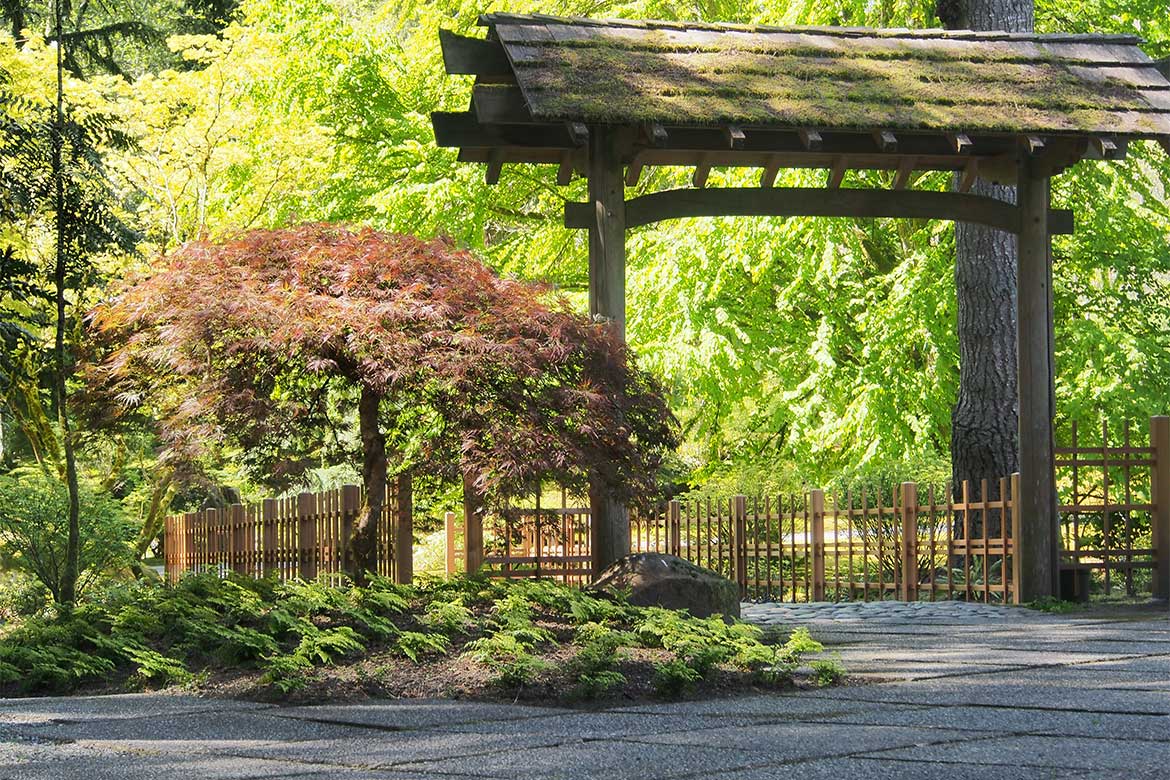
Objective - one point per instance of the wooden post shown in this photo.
(1160, 497)
(1036, 546)
(909, 511)
(472, 526)
(1017, 572)
(404, 531)
(674, 523)
(610, 527)
(738, 520)
(449, 523)
(307, 534)
(238, 536)
(268, 536)
(817, 531)
(351, 504)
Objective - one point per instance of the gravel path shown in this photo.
(938, 690)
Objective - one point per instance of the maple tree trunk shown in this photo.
(374, 467)
(984, 420)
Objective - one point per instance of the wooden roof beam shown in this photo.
(810, 139)
(1034, 144)
(960, 143)
(464, 56)
(578, 133)
(655, 134)
(886, 141)
(1105, 148)
(735, 137)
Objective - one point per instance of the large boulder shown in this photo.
(656, 580)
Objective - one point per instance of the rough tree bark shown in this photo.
(984, 420)
(374, 467)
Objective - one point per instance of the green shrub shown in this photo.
(34, 529)
(674, 678)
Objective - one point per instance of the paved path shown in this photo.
(948, 693)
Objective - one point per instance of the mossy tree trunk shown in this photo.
(984, 420)
(374, 469)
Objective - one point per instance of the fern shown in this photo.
(414, 645)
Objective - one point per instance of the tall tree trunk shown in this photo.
(984, 419)
(71, 572)
(374, 467)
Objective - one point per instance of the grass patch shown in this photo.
(312, 641)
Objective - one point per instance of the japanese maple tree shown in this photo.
(283, 341)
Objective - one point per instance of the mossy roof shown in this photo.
(832, 78)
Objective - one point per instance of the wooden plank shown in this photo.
(1159, 99)
(702, 171)
(404, 530)
(495, 165)
(771, 169)
(565, 169)
(473, 56)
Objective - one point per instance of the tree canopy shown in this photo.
(273, 338)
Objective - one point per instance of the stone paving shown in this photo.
(955, 691)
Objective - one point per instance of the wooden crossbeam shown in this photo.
(837, 173)
(464, 56)
(1105, 147)
(816, 202)
(810, 139)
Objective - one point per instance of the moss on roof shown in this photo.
(624, 73)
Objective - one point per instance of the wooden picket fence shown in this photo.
(792, 548)
(302, 536)
(911, 542)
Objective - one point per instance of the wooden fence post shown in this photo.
(404, 531)
(449, 521)
(307, 536)
(472, 526)
(674, 523)
(351, 504)
(236, 545)
(817, 509)
(738, 522)
(268, 536)
(1160, 498)
(909, 511)
(1017, 560)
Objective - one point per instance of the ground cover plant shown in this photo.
(460, 637)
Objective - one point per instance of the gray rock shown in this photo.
(653, 579)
